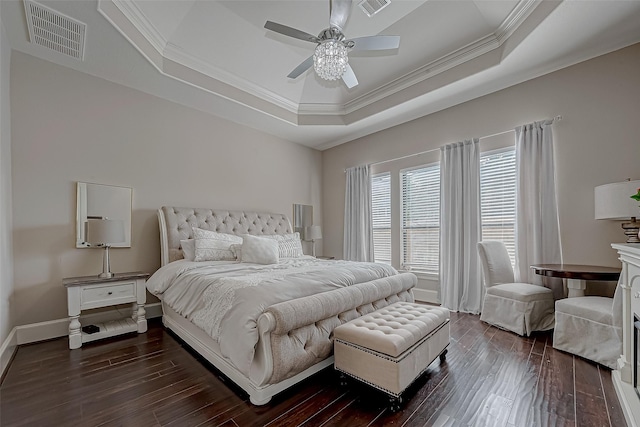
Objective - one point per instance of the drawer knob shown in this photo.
(111, 293)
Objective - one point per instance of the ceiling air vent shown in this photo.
(371, 7)
(54, 30)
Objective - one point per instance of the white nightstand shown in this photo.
(86, 292)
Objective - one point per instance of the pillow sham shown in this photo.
(188, 249)
(289, 245)
(259, 250)
(212, 246)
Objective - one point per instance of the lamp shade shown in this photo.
(313, 232)
(105, 231)
(613, 201)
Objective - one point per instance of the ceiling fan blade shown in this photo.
(375, 43)
(291, 32)
(304, 66)
(339, 13)
(349, 77)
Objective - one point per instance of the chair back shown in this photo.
(496, 264)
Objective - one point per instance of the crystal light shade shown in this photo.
(330, 59)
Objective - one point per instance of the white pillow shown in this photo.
(188, 249)
(259, 250)
(289, 245)
(212, 246)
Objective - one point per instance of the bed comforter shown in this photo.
(225, 299)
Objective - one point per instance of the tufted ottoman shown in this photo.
(391, 347)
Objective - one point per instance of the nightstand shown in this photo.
(87, 292)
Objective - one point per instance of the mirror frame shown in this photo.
(114, 203)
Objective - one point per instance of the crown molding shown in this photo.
(178, 55)
(166, 52)
(133, 13)
(466, 53)
(523, 9)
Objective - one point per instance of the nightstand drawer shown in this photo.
(99, 296)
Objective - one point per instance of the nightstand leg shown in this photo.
(75, 336)
(139, 318)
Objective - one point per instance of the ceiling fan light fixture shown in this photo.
(330, 59)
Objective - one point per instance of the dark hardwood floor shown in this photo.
(490, 378)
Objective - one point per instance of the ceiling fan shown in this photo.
(330, 59)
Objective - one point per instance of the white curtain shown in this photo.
(537, 226)
(460, 227)
(358, 228)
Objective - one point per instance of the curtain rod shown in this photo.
(555, 119)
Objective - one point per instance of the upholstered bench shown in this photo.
(391, 347)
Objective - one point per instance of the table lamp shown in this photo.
(614, 202)
(104, 233)
(313, 233)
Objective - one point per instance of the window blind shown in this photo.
(498, 197)
(421, 218)
(381, 216)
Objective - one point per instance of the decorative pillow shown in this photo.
(212, 246)
(259, 250)
(289, 245)
(237, 251)
(188, 249)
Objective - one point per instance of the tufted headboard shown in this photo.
(177, 223)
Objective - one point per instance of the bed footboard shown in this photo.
(297, 334)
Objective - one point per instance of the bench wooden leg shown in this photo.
(343, 380)
(395, 403)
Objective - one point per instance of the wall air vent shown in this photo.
(54, 30)
(371, 7)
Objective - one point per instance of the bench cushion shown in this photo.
(393, 329)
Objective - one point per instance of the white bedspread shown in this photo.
(226, 298)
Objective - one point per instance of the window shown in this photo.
(381, 216)
(498, 197)
(420, 210)
(421, 218)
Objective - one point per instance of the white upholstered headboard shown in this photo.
(177, 223)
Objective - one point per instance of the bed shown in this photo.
(287, 311)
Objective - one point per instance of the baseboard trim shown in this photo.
(51, 329)
(426, 295)
(7, 350)
(627, 397)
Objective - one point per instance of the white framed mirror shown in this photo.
(302, 218)
(97, 201)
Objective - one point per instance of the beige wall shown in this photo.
(6, 266)
(597, 142)
(68, 126)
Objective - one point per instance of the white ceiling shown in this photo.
(217, 57)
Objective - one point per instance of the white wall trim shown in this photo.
(626, 394)
(142, 24)
(41, 331)
(7, 349)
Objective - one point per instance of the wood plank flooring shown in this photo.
(490, 378)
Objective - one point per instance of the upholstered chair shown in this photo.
(590, 327)
(518, 307)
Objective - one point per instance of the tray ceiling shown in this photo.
(216, 55)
